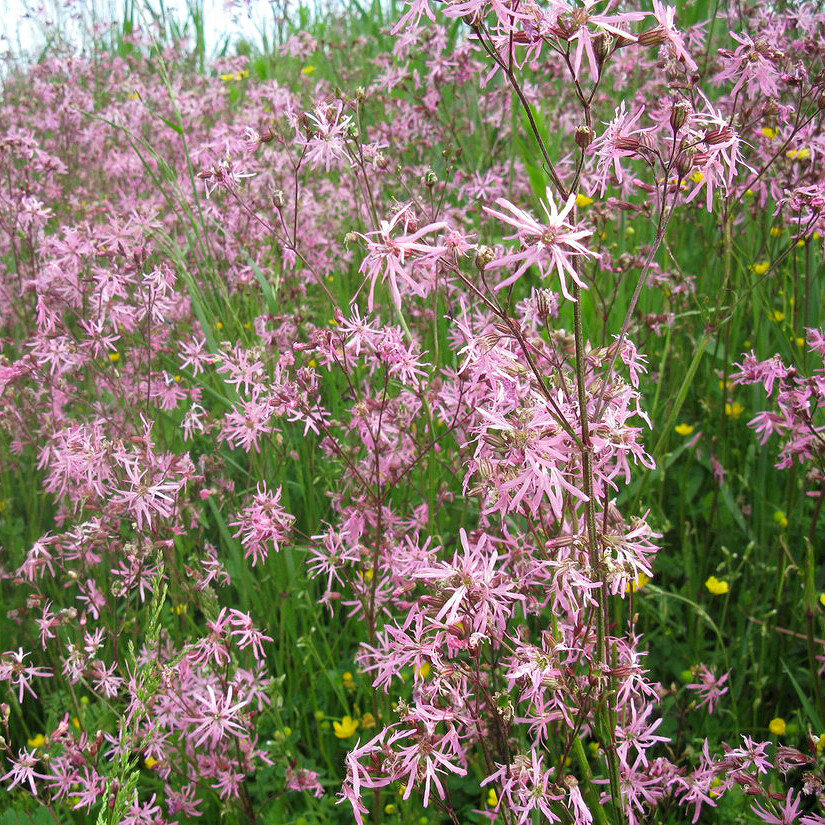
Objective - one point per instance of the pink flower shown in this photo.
(216, 718)
(550, 246)
(15, 671)
(394, 258)
(23, 771)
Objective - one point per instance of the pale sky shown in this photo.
(21, 31)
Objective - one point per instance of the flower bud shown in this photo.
(684, 163)
(278, 198)
(584, 136)
(679, 115)
(430, 179)
(603, 44)
(652, 37)
(484, 255)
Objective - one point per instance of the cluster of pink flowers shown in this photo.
(301, 280)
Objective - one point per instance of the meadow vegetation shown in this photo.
(414, 414)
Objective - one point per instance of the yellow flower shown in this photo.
(37, 741)
(308, 69)
(346, 677)
(800, 242)
(583, 200)
(492, 798)
(780, 518)
(776, 315)
(150, 762)
(697, 177)
(734, 409)
(345, 728)
(769, 132)
(389, 809)
(684, 429)
(114, 357)
(227, 78)
(630, 231)
(717, 587)
(638, 584)
(367, 721)
(76, 722)
(750, 192)
(180, 608)
(798, 154)
(368, 575)
(218, 325)
(776, 231)
(822, 599)
(777, 726)
(761, 268)
(820, 743)
(177, 378)
(800, 342)
(423, 671)
(313, 363)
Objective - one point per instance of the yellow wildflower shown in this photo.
(114, 357)
(638, 584)
(769, 132)
(492, 798)
(390, 809)
(241, 75)
(308, 69)
(345, 728)
(697, 177)
(761, 268)
(734, 409)
(800, 342)
(583, 200)
(822, 599)
(777, 726)
(717, 586)
(150, 762)
(423, 671)
(776, 231)
(799, 154)
(367, 721)
(820, 743)
(180, 608)
(37, 741)
(776, 315)
(780, 518)
(684, 429)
